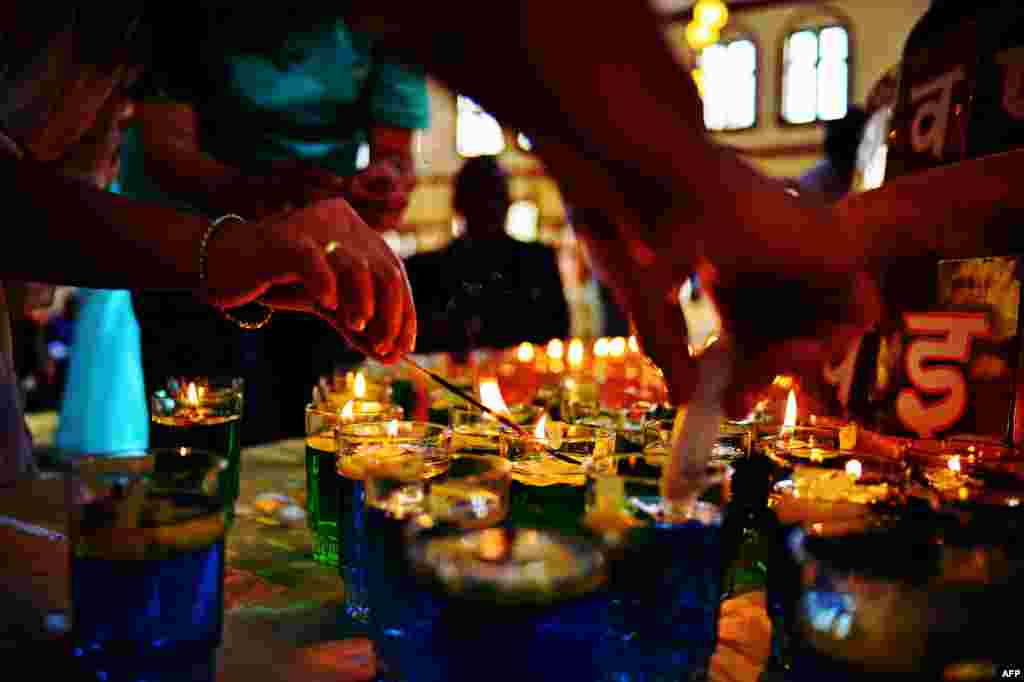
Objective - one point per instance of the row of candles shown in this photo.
(950, 468)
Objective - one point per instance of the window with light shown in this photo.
(728, 72)
(477, 133)
(816, 75)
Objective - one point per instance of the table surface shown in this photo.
(281, 608)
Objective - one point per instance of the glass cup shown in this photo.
(322, 501)
(472, 432)
(425, 446)
(666, 571)
(733, 442)
(205, 414)
(146, 535)
(473, 492)
(627, 423)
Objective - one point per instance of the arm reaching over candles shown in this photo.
(665, 199)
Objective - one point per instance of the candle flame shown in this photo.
(782, 381)
(601, 348)
(348, 412)
(192, 395)
(618, 347)
(183, 451)
(555, 349)
(525, 352)
(392, 428)
(633, 344)
(575, 353)
(540, 431)
(790, 421)
(854, 469)
(359, 387)
(954, 463)
(490, 395)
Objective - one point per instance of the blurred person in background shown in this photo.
(832, 178)
(486, 289)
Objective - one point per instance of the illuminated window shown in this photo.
(729, 82)
(477, 133)
(523, 220)
(816, 75)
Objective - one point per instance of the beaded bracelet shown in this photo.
(204, 242)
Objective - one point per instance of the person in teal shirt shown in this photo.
(278, 110)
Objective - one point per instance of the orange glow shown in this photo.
(711, 13)
(392, 428)
(348, 412)
(575, 354)
(954, 463)
(540, 431)
(601, 348)
(359, 387)
(525, 352)
(617, 347)
(633, 344)
(789, 422)
(784, 382)
(192, 395)
(490, 395)
(556, 349)
(854, 469)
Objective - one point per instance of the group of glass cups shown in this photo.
(884, 557)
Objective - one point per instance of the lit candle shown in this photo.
(575, 355)
(601, 359)
(854, 469)
(617, 348)
(525, 352)
(789, 421)
(555, 352)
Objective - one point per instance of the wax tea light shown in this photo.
(380, 465)
(658, 436)
(510, 566)
(322, 494)
(204, 414)
(626, 422)
(532, 454)
(814, 496)
(966, 473)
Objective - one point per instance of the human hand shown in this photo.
(782, 320)
(381, 192)
(321, 259)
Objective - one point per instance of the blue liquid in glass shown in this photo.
(664, 603)
(156, 617)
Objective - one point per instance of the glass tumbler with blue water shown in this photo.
(146, 533)
(357, 445)
(665, 570)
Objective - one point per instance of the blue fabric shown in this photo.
(104, 408)
(313, 98)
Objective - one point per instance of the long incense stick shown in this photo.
(467, 397)
(455, 390)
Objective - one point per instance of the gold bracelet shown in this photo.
(204, 242)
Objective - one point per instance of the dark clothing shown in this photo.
(487, 294)
(279, 363)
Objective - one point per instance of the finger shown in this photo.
(316, 273)
(407, 338)
(386, 324)
(356, 288)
